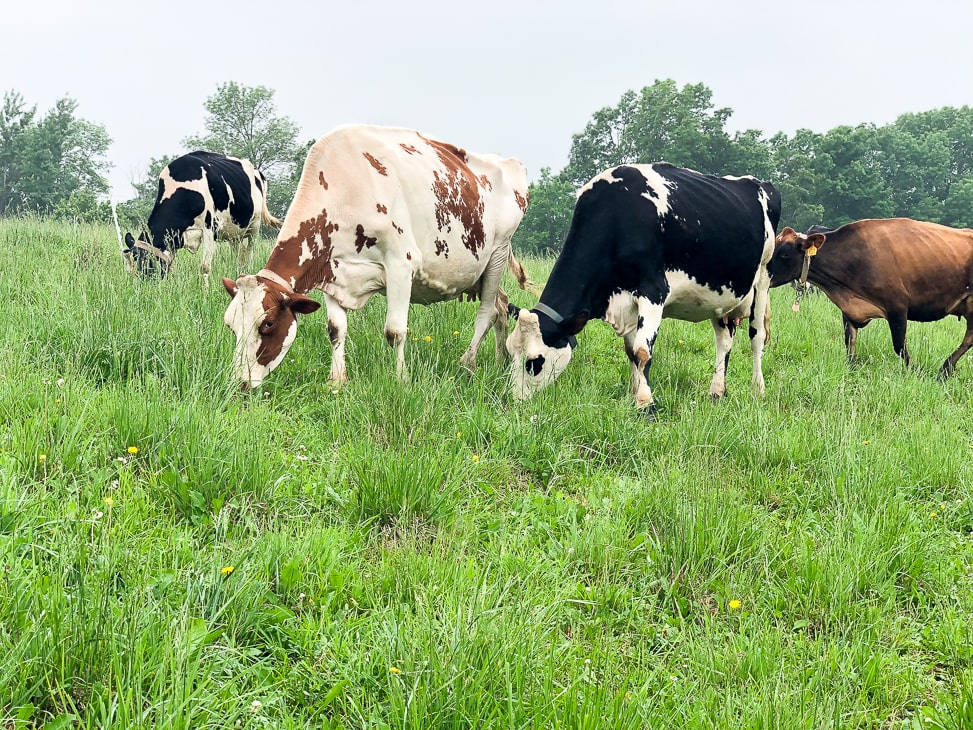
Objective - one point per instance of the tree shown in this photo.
(51, 164)
(242, 121)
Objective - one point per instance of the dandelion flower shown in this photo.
(133, 450)
(866, 442)
(227, 570)
(427, 338)
(109, 501)
(455, 333)
(459, 434)
(395, 670)
(42, 458)
(933, 514)
(735, 605)
(476, 458)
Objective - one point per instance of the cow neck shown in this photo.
(276, 278)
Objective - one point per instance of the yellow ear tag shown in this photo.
(812, 250)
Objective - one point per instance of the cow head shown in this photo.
(147, 259)
(791, 251)
(263, 316)
(541, 349)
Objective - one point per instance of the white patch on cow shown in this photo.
(691, 301)
(622, 313)
(769, 234)
(659, 185)
(306, 254)
(535, 365)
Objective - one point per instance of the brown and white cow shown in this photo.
(895, 269)
(381, 210)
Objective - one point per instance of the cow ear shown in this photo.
(513, 311)
(812, 243)
(788, 231)
(230, 286)
(302, 304)
(575, 324)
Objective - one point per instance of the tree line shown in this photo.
(920, 166)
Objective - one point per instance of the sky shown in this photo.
(517, 78)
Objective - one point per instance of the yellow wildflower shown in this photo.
(109, 501)
(476, 458)
(227, 570)
(395, 670)
(133, 450)
(42, 458)
(455, 333)
(427, 338)
(735, 605)
(866, 442)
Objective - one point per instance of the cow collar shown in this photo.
(544, 309)
(158, 253)
(802, 282)
(276, 278)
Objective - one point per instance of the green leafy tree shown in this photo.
(548, 217)
(52, 164)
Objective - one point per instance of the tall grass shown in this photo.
(175, 554)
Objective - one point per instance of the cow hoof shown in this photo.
(647, 412)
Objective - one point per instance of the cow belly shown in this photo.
(692, 302)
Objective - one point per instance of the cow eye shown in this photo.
(267, 325)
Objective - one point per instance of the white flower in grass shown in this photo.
(255, 706)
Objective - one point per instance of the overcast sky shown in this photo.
(517, 78)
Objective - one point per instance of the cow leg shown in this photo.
(759, 329)
(639, 344)
(337, 329)
(244, 255)
(487, 311)
(851, 338)
(500, 325)
(398, 294)
(206, 262)
(949, 367)
(897, 325)
(724, 329)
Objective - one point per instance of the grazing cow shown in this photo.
(202, 196)
(896, 269)
(649, 242)
(381, 210)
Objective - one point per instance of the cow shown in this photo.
(202, 196)
(648, 242)
(896, 269)
(381, 210)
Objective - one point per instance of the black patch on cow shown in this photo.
(208, 220)
(534, 365)
(641, 322)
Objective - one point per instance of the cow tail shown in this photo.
(269, 220)
(523, 281)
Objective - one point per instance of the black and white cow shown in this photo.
(202, 196)
(648, 242)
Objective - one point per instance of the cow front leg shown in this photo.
(337, 330)
(206, 261)
(724, 328)
(398, 294)
(244, 255)
(897, 326)
(949, 367)
(851, 338)
(639, 344)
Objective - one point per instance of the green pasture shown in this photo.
(176, 554)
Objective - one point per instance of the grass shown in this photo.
(174, 554)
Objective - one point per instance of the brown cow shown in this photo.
(896, 269)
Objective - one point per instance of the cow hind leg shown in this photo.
(759, 329)
(500, 325)
(398, 294)
(897, 326)
(486, 314)
(244, 255)
(337, 330)
(851, 338)
(949, 367)
(206, 261)
(723, 330)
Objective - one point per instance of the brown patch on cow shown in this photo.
(399, 229)
(321, 180)
(458, 195)
(409, 148)
(381, 208)
(314, 234)
(363, 241)
(379, 167)
(485, 182)
(408, 255)
(522, 201)
(442, 248)
(272, 341)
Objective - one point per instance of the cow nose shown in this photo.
(244, 386)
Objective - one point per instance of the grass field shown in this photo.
(176, 554)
